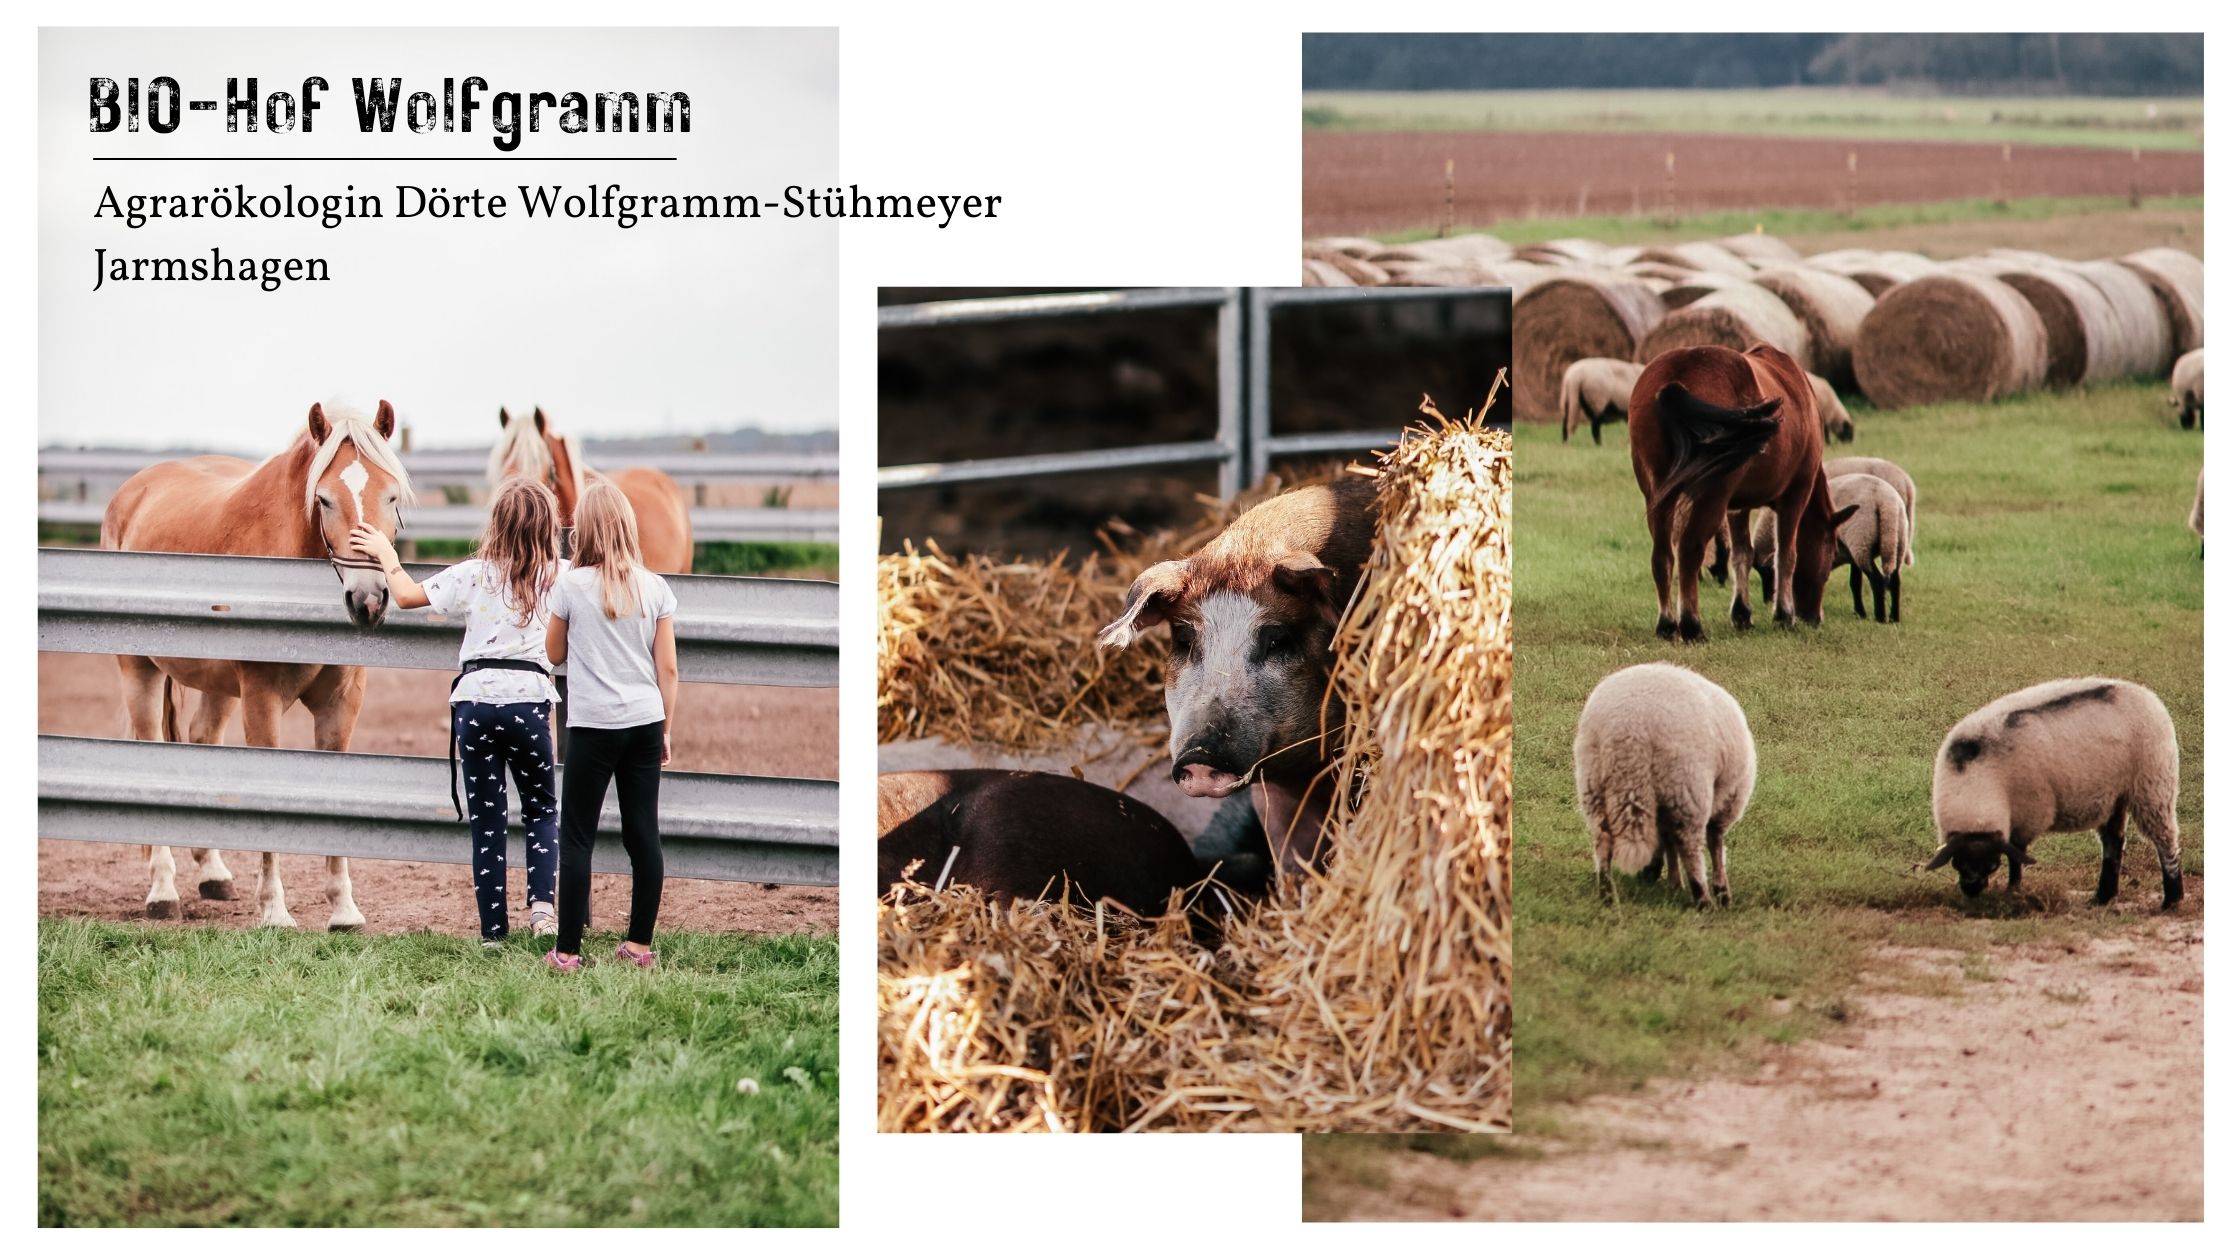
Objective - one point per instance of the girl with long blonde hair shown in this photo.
(612, 625)
(501, 704)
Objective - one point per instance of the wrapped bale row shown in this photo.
(1959, 335)
(1572, 316)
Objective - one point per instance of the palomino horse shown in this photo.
(301, 502)
(1715, 434)
(529, 448)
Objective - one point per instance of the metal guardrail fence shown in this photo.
(363, 805)
(1242, 445)
(465, 521)
(466, 465)
(772, 631)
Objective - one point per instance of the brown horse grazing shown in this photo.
(1715, 434)
(301, 502)
(529, 448)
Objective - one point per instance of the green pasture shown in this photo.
(2052, 542)
(1816, 113)
(199, 1076)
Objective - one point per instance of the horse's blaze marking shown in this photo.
(355, 477)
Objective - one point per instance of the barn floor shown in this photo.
(781, 731)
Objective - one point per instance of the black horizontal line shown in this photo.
(277, 158)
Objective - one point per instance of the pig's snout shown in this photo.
(1199, 779)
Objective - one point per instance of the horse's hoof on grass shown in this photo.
(1691, 629)
(1740, 617)
(163, 909)
(217, 890)
(282, 920)
(1667, 628)
(345, 927)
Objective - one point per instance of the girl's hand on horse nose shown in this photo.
(370, 541)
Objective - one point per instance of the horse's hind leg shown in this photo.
(1697, 528)
(1740, 561)
(211, 714)
(1661, 546)
(260, 722)
(334, 701)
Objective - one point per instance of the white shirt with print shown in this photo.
(611, 685)
(477, 591)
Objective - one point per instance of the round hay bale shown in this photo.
(1317, 274)
(2144, 347)
(1694, 285)
(1566, 252)
(1357, 246)
(2083, 336)
(1359, 271)
(1831, 307)
(1698, 256)
(1621, 255)
(1954, 336)
(1738, 318)
(1571, 316)
(1475, 249)
(1877, 271)
(2179, 283)
(1757, 247)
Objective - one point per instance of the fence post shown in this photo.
(1257, 339)
(1230, 368)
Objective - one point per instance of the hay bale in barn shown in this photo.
(2145, 348)
(1695, 285)
(1373, 998)
(2180, 285)
(1738, 317)
(1698, 256)
(1761, 249)
(1359, 271)
(1317, 274)
(1571, 316)
(1830, 306)
(2084, 339)
(1955, 336)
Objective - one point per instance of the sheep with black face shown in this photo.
(2075, 754)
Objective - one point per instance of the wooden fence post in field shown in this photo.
(1851, 184)
(1448, 229)
(1671, 190)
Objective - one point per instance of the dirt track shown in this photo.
(2065, 1086)
(736, 730)
(1362, 182)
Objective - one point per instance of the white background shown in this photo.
(1147, 143)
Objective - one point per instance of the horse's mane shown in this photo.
(348, 424)
(520, 444)
(577, 469)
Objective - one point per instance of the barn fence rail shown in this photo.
(1243, 445)
(464, 520)
(729, 630)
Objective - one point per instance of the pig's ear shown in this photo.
(1303, 575)
(1150, 601)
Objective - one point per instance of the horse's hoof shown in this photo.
(1691, 629)
(280, 920)
(217, 890)
(1740, 616)
(1666, 628)
(163, 909)
(335, 926)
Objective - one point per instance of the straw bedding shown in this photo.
(2180, 284)
(1373, 997)
(1738, 318)
(1830, 306)
(1956, 336)
(1572, 316)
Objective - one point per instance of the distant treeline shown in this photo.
(2102, 65)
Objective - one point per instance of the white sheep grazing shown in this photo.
(1597, 392)
(2185, 388)
(1871, 538)
(1664, 765)
(2070, 755)
(1835, 418)
(1889, 472)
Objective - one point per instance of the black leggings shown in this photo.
(631, 757)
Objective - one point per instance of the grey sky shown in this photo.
(669, 326)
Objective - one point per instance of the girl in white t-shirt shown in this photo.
(612, 627)
(501, 706)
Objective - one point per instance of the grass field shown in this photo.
(215, 1077)
(2110, 122)
(2052, 542)
(2070, 227)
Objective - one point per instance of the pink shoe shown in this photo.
(633, 957)
(553, 960)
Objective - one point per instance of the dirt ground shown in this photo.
(2060, 1081)
(782, 731)
(1365, 182)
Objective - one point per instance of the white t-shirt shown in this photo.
(610, 663)
(477, 591)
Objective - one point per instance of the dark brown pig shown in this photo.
(1251, 615)
(1019, 833)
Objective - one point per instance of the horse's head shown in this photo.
(528, 447)
(355, 477)
(1816, 550)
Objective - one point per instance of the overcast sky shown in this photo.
(677, 326)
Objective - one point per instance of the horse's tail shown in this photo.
(171, 728)
(1708, 441)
